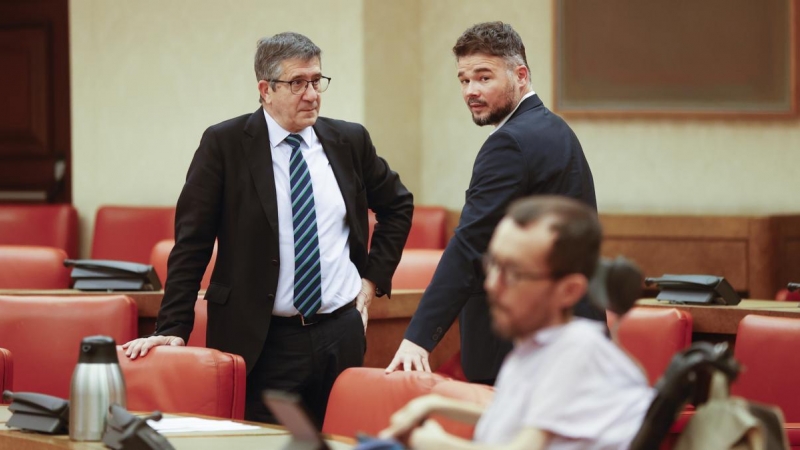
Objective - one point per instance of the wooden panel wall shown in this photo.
(757, 255)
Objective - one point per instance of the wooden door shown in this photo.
(34, 101)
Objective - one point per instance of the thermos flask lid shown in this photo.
(98, 350)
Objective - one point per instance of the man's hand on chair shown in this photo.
(140, 347)
(411, 356)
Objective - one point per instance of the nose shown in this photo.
(492, 283)
(471, 90)
(310, 94)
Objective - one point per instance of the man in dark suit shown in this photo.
(285, 194)
(531, 151)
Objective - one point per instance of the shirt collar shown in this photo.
(548, 335)
(503, 122)
(278, 134)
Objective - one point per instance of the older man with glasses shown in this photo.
(285, 193)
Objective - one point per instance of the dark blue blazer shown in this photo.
(534, 152)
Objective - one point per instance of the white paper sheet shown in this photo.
(194, 424)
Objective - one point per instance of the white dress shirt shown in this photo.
(340, 279)
(573, 382)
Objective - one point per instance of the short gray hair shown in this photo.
(274, 50)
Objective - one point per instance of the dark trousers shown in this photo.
(305, 360)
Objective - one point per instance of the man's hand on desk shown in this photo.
(140, 347)
(411, 356)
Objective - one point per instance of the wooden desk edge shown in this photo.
(402, 304)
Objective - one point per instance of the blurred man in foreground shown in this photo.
(564, 385)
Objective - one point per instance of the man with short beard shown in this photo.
(531, 151)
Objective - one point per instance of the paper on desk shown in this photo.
(195, 424)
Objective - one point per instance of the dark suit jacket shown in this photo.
(230, 196)
(534, 152)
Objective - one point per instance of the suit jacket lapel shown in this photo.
(258, 154)
(341, 161)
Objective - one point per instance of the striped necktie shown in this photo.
(307, 274)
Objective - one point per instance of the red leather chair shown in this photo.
(186, 380)
(480, 394)
(41, 225)
(6, 372)
(428, 227)
(128, 233)
(765, 346)
(32, 267)
(363, 398)
(160, 254)
(416, 268)
(44, 334)
(653, 335)
(784, 295)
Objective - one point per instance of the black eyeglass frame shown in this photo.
(301, 90)
(510, 275)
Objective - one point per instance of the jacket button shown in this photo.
(438, 334)
(274, 262)
(270, 297)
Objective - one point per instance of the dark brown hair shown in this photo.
(576, 248)
(492, 38)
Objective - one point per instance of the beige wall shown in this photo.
(149, 76)
(392, 85)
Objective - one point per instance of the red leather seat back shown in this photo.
(44, 334)
(479, 394)
(364, 398)
(186, 380)
(6, 372)
(428, 227)
(416, 268)
(32, 267)
(766, 347)
(653, 335)
(42, 225)
(129, 233)
(160, 255)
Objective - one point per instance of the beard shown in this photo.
(498, 113)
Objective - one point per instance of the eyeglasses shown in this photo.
(299, 86)
(510, 274)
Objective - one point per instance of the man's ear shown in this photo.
(571, 289)
(521, 74)
(264, 91)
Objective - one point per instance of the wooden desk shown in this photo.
(717, 323)
(388, 319)
(267, 437)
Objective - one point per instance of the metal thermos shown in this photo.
(96, 383)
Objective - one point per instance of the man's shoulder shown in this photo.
(340, 125)
(236, 123)
(535, 120)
